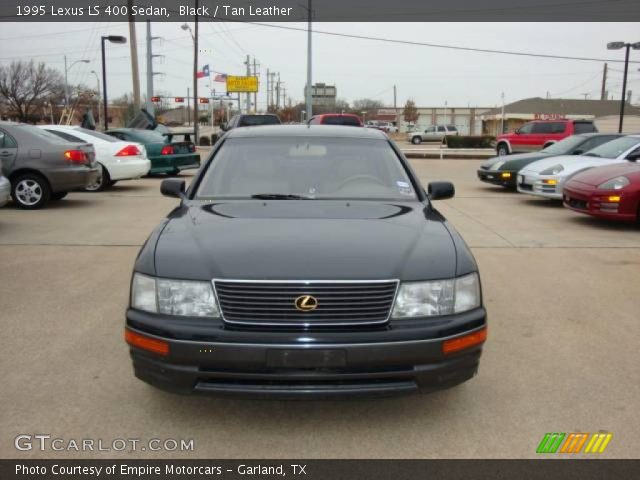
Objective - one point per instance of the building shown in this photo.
(322, 95)
(466, 119)
(605, 114)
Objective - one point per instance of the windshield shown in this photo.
(341, 120)
(564, 146)
(252, 120)
(100, 135)
(614, 148)
(148, 136)
(313, 167)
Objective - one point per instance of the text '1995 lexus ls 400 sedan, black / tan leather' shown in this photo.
(305, 261)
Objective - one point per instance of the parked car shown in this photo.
(251, 120)
(357, 287)
(389, 127)
(346, 119)
(610, 192)
(5, 189)
(42, 166)
(433, 133)
(503, 171)
(539, 134)
(166, 156)
(546, 178)
(118, 160)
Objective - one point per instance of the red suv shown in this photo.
(539, 134)
(347, 119)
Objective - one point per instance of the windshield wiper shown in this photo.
(592, 155)
(280, 196)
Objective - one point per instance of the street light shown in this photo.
(112, 39)
(187, 27)
(66, 83)
(627, 47)
(97, 83)
(194, 36)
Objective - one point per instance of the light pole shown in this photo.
(97, 83)
(627, 47)
(302, 112)
(309, 104)
(194, 37)
(66, 82)
(112, 39)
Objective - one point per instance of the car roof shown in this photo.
(320, 131)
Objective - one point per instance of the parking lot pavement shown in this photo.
(562, 293)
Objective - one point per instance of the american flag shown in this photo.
(220, 77)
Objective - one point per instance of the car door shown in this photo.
(8, 152)
(430, 134)
(523, 138)
(556, 132)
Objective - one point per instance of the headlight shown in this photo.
(556, 169)
(615, 183)
(496, 166)
(173, 297)
(440, 297)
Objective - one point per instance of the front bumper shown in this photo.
(503, 178)
(332, 365)
(5, 190)
(597, 203)
(535, 184)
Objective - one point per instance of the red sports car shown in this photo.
(611, 192)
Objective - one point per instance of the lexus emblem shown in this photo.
(306, 303)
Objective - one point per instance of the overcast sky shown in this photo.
(359, 68)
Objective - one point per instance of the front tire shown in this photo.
(502, 150)
(416, 140)
(30, 191)
(103, 181)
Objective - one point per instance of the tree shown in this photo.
(410, 112)
(26, 87)
(367, 104)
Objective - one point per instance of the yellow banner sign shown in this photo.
(242, 84)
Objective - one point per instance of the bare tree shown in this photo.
(410, 112)
(26, 87)
(367, 104)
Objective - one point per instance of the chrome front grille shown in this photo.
(274, 302)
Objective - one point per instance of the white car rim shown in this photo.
(29, 192)
(98, 183)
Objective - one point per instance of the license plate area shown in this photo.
(298, 358)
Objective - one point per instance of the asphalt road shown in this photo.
(562, 291)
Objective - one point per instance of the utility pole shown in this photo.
(395, 98)
(188, 107)
(248, 99)
(603, 92)
(133, 43)
(195, 77)
(150, 106)
(284, 97)
(268, 89)
(502, 115)
(278, 93)
(255, 94)
(309, 63)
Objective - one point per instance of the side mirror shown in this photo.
(578, 152)
(440, 190)
(224, 127)
(173, 187)
(517, 131)
(634, 156)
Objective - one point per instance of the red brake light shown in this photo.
(128, 151)
(192, 147)
(75, 156)
(167, 150)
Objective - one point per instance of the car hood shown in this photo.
(597, 176)
(310, 240)
(571, 163)
(514, 162)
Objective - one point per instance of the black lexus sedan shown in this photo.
(305, 261)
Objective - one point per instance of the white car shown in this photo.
(119, 160)
(546, 178)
